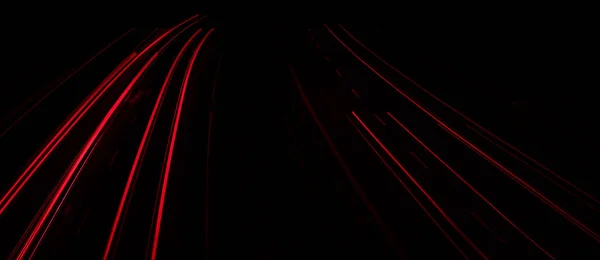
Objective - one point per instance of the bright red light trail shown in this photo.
(112, 167)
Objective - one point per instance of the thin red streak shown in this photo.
(80, 157)
(338, 72)
(487, 227)
(64, 197)
(419, 160)
(349, 175)
(467, 118)
(408, 189)
(147, 38)
(56, 140)
(539, 164)
(534, 169)
(172, 140)
(487, 157)
(37, 216)
(62, 82)
(526, 186)
(470, 186)
(379, 119)
(206, 186)
(144, 141)
(421, 188)
(167, 33)
(73, 119)
(356, 94)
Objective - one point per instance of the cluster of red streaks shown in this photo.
(60, 84)
(68, 177)
(539, 164)
(147, 38)
(64, 197)
(165, 176)
(82, 153)
(58, 137)
(442, 212)
(469, 185)
(471, 121)
(474, 148)
(143, 143)
(349, 175)
(72, 121)
(409, 191)
(37, 216)
(526, 186)
(534, 169)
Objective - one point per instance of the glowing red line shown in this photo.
(409, 191)
(37, 216)
(55, 141)
(173, 138)
(473, 147)
(467, 118)
(147, 38)
(379, 119)
(470, 186)
(421, 188)
(539, 164)
(356, 94)
(80, 157)
(526, 186)
(61, 83)
(340, 159)
(167, 33)
(64, 197)
(534, 169)
(419, 160)
(73, 119)
(143, 142)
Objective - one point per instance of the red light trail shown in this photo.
(378, 164)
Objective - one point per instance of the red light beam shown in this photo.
(173, 138)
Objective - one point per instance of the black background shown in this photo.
(527, 74)
(529, 77)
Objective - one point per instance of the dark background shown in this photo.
(528, 77)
